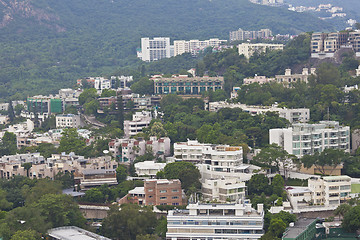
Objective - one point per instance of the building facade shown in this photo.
(288, 79)
(185, 85)
(258, 79)
(302, 139)
(215, 221)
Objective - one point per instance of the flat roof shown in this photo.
(299, 227)
(298, 189)
(330, 178)
(74, 233)
(137, 190)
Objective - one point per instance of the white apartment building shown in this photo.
(102, 83)
(214, 161)
(193, 151)
(302, 139)
(67, 121)
(248, 49)
(292, 115)
(215, 221)
(240, 35)
(322, 193)
(223, 190)
(140, 120)
(258, 79)
(195, 45)
(154, 49)
(148, 168)
(288, 78)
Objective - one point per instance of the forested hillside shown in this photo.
(46, 45)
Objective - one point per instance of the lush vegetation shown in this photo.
(56, 42)
(31, 207)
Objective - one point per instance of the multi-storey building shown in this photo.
(44, 105)
(194, 46)
(331, 190)
(163, 192)
(156, 192)
(302, 139)
(140, 120)
(248, 49)
(11, 166)
(89, 178)
(240, 35)
(304, 228)
(288, 79)
(322, 193)
(258, 79)
(102, 83)
(292, 115)
(68, 121)
(216, 221)
(154, 49)
(216, 155)
(328, 43)
(214, 161)
(127, 149)
(223, 190)
(185, 85)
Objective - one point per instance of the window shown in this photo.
(163, 191)
(150, 190)
(175, 190)
(163, 198)
(175, 197)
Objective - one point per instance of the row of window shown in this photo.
(187, 83)
(206, 222)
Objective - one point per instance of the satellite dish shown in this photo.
(106, 151)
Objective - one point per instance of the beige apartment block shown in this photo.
(248, 49)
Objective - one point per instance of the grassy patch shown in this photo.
(355, 188)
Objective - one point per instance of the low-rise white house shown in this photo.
(148, 168)
(216, 221)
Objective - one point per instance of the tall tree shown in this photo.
(351, 221)
(71, 141)
(128, 222)
(327, 158)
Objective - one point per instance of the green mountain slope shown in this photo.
(47, 44)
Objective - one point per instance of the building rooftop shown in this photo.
(74, 233)
(298, 190)
(299, 227)
(333, 178)
(137, 190)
